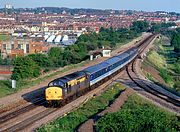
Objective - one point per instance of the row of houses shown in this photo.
(22, 46)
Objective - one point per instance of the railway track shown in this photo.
(19, 123)
(20, 111)
(31, 121)
(22, 125)
(172, 100)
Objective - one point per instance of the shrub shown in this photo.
(25, 67)
(138, 116)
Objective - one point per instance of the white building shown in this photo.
(58, 39)
(65, 38)
(51, 38)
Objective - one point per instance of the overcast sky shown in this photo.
(145, 5)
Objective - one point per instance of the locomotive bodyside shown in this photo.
(66, 87)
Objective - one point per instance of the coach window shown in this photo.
(51, 84)
(55, 84)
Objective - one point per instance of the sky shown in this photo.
(145, 5)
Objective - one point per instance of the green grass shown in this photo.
(156, 59)
(4, 37)
(150, 77)
(75, 118)
(5, 88)
(139, 115)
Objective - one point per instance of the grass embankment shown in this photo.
(6, 85)
(71, 121)
(139, 115)
(163, 59)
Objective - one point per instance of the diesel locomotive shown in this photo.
(76, 84)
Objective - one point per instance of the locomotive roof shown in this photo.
(69, 77)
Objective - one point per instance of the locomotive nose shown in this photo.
(53, 93)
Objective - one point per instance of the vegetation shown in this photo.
(25, 67)
(6, 61)
(175, 41)
(161, 27)
(138, 115)
(164, 59)
(71, 121)
(157, 59)
(5, 88)
(140, 26)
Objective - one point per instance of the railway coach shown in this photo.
(76, 84)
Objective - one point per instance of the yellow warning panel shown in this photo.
(54, 93)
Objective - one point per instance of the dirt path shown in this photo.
(88, 126)
(36, 91)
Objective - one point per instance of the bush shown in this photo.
(136, 116)
(41, 59)
(176, 42)
(165, 75)
(25, 67)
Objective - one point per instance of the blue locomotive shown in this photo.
(76, 84)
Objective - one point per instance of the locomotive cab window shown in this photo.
(51, 84)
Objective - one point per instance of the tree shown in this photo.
(176, 42)
(71, 57)
(24, 68)
(55, 56)
(54, 52)
(177, 66)
(140, 26)
(41, 59)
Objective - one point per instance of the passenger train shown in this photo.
(76, 84)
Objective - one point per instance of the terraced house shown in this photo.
(22, 46)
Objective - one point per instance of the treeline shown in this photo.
(162, 28)
(33, 65)
(173, 34)
(175, 40)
